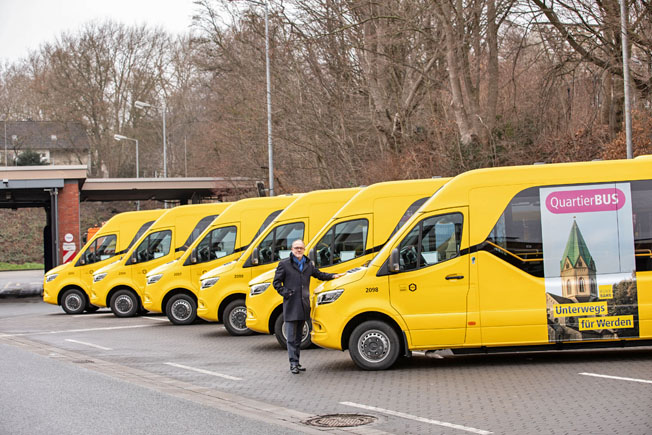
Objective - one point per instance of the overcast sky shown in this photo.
(26, 24)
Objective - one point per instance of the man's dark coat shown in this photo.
(294, 286)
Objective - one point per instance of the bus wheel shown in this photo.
(235, 318)
(124, 304)
(181, 309)
(374, 345)
(73, 301)
(279, 332)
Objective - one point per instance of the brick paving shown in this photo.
(503, 394)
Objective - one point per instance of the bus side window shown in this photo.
(517, 236)
(642, 215)
(433, 240)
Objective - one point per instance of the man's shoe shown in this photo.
(294, 370)
(301, 369)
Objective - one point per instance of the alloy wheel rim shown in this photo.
(73, 302)
(124, 304)
(181, 310)
(238, 318)
(374, 346)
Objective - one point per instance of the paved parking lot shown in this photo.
(557, 393)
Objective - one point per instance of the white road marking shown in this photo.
(96, 315)
(416, 418)
(111, 328)
(618, 378)
(206, 372)
(163, 319)
(88, 344)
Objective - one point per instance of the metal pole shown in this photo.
(137, 172)
(185, 156)
(54, 213)
(6, 164)
(165, 145)
(269, 104)
(624, 43)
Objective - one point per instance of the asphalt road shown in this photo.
(158, 364)
(21, 283)
(42, 395)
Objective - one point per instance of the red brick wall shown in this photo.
(68, 217)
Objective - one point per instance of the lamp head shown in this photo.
(141, 104)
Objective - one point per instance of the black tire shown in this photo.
(124, 303)
(374, 345)
(73, 301)
(279, 332)
(235, 318)
(181, 309)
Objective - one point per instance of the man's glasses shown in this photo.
(298, 248)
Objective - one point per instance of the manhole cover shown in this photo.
(340, 420)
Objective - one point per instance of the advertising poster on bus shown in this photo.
(589, 262)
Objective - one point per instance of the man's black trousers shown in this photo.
(294, 333)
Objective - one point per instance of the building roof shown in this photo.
(29, 186)
(576, 248)
(44, 135)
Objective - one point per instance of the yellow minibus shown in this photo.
(223, 289)
(120, 285)
(348, 240)
(69, 284)
(172, 287)
(529, 257)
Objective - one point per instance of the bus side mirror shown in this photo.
(82, 261)
(393, 265)
(313, 256)
(193, 256)
(254, 257)
(133, 260)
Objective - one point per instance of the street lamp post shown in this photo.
(120, 137)
(270, 150)
(625, 52)
(143, 105)
(269, 104)
(5, 123)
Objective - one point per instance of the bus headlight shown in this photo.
(209, 282)
(99, 277)
(258, 289)
(154, 278)
(329, 296)
(51, 277)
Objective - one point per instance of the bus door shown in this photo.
(431, 288)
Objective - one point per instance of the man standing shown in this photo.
(292, 281)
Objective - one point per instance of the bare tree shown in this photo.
(95, 76)
(471, 32)
(592, 30)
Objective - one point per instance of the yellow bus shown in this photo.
(69, 284)
(224, 289)
(528, 257)
(348, 240)
(172, 287)
(120, 285)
